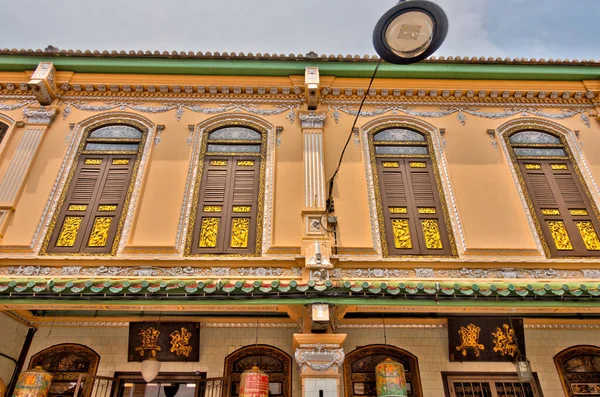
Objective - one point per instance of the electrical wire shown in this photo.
(337, 169)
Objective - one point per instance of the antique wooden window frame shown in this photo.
(284, 377)
(491, 378)
(561, 359)
(3, 131)
(68, 376)
(409, 360)
(412, 214)
(543, 215)
(254, 247)
(113, 239)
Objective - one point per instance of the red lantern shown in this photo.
(254, 383)
(390, 378)
(33, 383)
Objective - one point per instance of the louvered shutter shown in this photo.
(226, 215)
(428, 213)
(400, 229)
(413, 216)
(94, 202)
(562, 207)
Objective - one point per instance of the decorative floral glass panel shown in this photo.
(116, 131)
(398, 134)
(214, 148)
(235, 133)
(400, 150)
(539, 152)
(534, 137)
(113, 147)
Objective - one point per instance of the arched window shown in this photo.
(3, 129)
(579, 370)
(556, 194)
(359, 370)
(274, 362)
(229, 193)
(65, 362)
(98, 192)
(409, 202)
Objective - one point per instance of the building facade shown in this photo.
(458, 233)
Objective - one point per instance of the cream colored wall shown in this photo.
(490, 211)
(12, 336)
(429, 345)
(215, 344)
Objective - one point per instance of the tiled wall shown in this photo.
(429, 345)
(12, 335)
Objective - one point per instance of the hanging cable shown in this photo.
(330, 182)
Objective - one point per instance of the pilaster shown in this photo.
(11, 185)
(315, 241)
(320, 358)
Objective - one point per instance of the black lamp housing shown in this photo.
(438, 34)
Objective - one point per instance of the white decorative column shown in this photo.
(316, 245)
(11, 185)
(320, 358)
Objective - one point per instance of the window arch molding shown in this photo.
(198, 141)
(277, 364)
(435, 145)
(367, 357)
(76, 139)
(6, 128)
(580, 365)
(574, 153)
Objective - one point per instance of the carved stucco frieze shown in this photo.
(312, 119)
(319, 357)
(42, 115)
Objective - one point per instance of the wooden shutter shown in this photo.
(414, 220)
(561, 205)
(90, 214)
(226, 215)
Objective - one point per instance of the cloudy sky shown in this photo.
(503, 28)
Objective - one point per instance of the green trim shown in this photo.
(231, 67)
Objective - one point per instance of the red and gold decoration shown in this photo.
(33, 383)
(390, 379)
(254, 383)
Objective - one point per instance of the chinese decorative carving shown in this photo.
(504, 341)
(431, 230)
(590, 238)
(560, 235)
(239, 232)
(99, 233)
(172, 341)
(148, 341)
(209, 232)
(180, 342)
(68, 233)
(401, 233)
(579, 370)
(469, 337)
(485, 339)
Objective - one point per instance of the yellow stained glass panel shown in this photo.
(550, 211)
(401, 233)
(431, 231)
(579, 212)
(68, 233)
(239, 232)
(589, 235)
(560, 235)
(209, 232)
(99, 233)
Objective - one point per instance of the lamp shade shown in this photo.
(150, 369)
(390, 379)
(524, 370)
(254, 383)
(33, 383)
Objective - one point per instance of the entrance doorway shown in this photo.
(170, 385)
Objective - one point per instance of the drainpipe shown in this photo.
(19, 363)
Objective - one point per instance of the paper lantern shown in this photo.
(33, 383)
(390, 379)
(254, 383)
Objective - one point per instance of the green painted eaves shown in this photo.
(232, 67)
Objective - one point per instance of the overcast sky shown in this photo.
(503, 28)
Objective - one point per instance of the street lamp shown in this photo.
(410, 31)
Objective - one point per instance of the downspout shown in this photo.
(20, 362)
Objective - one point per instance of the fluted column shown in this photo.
(315, 242)
(11, 185)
